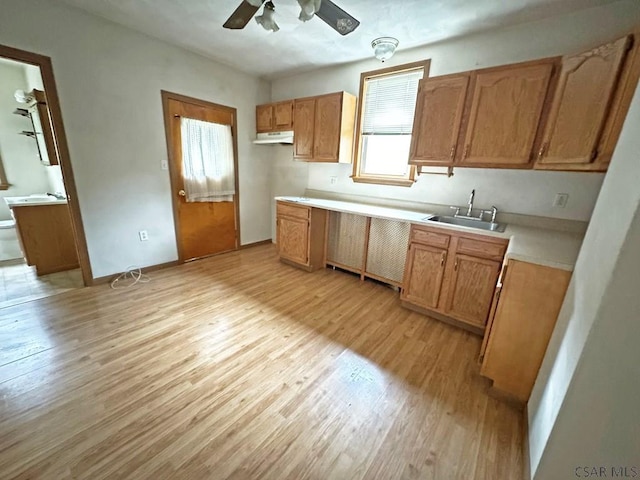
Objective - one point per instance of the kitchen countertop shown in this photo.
(542, 246)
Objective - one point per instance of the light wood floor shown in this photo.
(241, 367)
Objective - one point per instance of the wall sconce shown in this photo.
(384, 47)
(22, 97)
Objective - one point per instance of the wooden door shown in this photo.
(581, 103)
(303, 128)
(504, 116)
(292, 238)
(423, 276)
(327, 128)
(283, 115)
(437, 120)
(264, 118)
(472, 288)
(202, 228)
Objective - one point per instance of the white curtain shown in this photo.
(207, 161)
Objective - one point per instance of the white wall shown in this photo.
(584, 406)
(524, 192)
(25, 173)
(109, 80)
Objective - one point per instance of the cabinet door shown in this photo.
(472, 288)
(283, 115)
(264, 118)
(303, 118)
(327, 128)
(293, 239)
(504, 116)
(580, 104)
(423, 275)
(437, 120)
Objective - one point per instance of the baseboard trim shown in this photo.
(256, 244)
(150, 268)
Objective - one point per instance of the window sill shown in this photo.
(398, 182)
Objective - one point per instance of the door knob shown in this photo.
(182, 193)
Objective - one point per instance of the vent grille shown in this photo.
(345, 245)
(387, 252)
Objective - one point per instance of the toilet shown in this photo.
(9, 246)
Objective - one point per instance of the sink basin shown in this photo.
(467, 222)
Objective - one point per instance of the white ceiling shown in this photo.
(197, 26)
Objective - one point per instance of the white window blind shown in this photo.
(390, 102)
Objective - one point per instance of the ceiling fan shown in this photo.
(329, 12)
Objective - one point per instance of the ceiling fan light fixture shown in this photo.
(308, 8)
(266, 19)
(384, 47)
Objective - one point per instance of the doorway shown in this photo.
(42, 245)
(206, 223)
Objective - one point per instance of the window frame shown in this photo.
(410, 178)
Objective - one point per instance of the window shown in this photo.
(385, 121)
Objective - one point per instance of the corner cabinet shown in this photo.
(323, 128)
(526, 310)
(579, 113)
(452, 275)
(274, 117)
(300, 235)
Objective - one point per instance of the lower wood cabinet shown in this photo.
(526, 311)
(452, 275)
(300, 232)
(46, 237)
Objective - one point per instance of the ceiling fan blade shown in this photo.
(336, 18)
(243, 14)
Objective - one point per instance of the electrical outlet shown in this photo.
(333, 180)
(561, 200)
(144, 235)
(164, 164)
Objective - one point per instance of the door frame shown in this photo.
(48, 80)
(174, 175)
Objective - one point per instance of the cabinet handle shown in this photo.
(466, 150)
(542, 150)
(443, 258)
(453, 152)
(455, 266)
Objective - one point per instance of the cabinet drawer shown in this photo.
(293, 210)
(479, 248)
(428, 237)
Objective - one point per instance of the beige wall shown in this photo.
(583, 409)
(525, 192)
(109, 80)
(25, 173)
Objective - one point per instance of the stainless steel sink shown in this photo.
(468, 222)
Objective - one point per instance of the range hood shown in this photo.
(274, 138)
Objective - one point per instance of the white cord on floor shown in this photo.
(133, 272)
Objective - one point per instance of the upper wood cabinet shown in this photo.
(323, 128)
(436, 125)
(580, 107)
(506, 105)
(274, 117)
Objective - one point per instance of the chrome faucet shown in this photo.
(473, 194)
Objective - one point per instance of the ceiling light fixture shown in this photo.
(266, 19)
(384, 47)
(308, 8)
